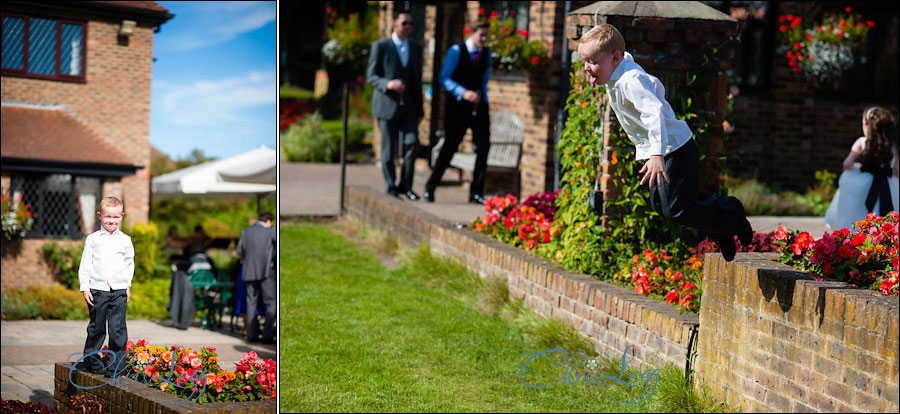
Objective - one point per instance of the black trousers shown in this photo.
(403, 127)
(266, 289)
(109, 308)
(459, 119)
(679, 199)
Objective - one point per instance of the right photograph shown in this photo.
(589, 206)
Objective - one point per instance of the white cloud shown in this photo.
(214, 102)
(218, 22)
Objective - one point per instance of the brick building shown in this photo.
(785, 128)
(76, 111)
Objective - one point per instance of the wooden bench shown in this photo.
(507, 132)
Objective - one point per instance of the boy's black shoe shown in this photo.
(726, 246)
(477, 199)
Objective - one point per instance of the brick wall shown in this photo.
(23, 264)
(611, 316)
(774, 339)
(783, 139)
(131, 397)
(114, 102)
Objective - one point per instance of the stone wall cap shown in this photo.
(661, 9)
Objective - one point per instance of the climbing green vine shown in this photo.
(606, 251)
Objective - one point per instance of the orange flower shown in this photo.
(614, 160)
(585, 104)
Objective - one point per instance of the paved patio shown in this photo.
(313, 190)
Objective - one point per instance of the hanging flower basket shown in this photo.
(823, 51)
(17, 217)
(512, 52)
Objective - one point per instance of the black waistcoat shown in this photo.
(467, 74)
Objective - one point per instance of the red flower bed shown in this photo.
(865, 255)
(196, 375)
(292, 110)
(527, 225)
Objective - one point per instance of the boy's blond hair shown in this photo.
(605, 37)
(110, 202)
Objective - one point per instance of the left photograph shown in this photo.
(139, 206)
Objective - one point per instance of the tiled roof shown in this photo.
(52, 134)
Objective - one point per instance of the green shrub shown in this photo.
(761, 200)
(44, 302)
(149, 299)
(315, 140)
(17, 307)
(145, 239)
(63, 262)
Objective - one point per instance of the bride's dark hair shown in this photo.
(883, 135)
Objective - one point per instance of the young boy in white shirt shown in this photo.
(672, 167)
(105, 273)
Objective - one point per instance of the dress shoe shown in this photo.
(411, 196)
(477, 199)
(428, 195)
(726, 246)
(393, 192)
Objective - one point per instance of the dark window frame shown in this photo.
(505, 7)
(58, 76)
(39, 228)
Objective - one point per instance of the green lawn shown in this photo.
(426, 336)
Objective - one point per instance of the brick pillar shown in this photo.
(665, 47)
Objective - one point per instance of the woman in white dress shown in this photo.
(870, 178)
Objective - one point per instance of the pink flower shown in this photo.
(196, 363)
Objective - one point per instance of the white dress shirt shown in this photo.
(107, 262)
(639, 101)
(402, 47)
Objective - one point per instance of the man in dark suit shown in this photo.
(395, 72)
(464, 75)
(256, 247)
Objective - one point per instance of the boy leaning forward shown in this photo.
(672, 166)
(105, 273)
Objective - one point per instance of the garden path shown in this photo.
(311, 190)
(31, 347)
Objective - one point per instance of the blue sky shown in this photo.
(214, 79)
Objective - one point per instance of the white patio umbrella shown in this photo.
(249, 174)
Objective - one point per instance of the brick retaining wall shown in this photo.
(139, 398)
(776, 339)
(611, 316)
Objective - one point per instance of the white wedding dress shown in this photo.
(849, 203)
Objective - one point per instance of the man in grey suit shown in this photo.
(395, 72)
(256, 248)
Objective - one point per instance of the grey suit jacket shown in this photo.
(257, 249)
(384, 65)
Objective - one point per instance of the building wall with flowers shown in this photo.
(100, 113)
(787, 126)
(532, 95)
